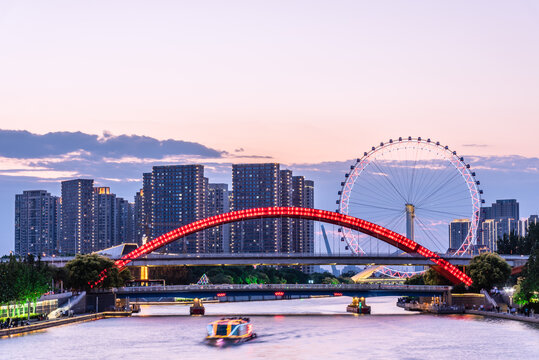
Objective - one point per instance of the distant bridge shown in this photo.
(278, 290)
(299, 259)
(288, 259)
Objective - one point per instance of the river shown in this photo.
(321, 331)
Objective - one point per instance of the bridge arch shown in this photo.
(444, 267)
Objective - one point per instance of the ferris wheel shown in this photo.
(415, 187)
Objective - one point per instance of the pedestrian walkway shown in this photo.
(531, 319)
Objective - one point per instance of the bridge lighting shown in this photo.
(221, 294)
(279, 293)
(446, 268)
(337, 294)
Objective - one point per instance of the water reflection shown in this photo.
(330, 334)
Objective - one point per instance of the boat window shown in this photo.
(210, 330)
(221, 330)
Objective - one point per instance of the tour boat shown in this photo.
(235, 329)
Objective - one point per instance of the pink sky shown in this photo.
(303, 81)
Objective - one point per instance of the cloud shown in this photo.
(24, 144)
(41, 174)
(476, 145)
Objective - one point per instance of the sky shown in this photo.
(107, 89)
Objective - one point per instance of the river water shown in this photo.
(303, 329)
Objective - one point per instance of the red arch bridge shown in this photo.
(401, 242)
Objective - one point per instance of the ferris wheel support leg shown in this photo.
(410, 215)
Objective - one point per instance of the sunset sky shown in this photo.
(310, 84)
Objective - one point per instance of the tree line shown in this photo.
(24, 280)
(519, 245)
(185, 275)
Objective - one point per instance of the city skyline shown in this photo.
(507, 209)
(497, 175)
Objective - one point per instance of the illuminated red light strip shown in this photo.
(445, 268)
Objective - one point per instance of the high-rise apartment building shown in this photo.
(77, 217)
(308, 202)
(104, 221)
(505, 216)
(458, 230)
(144, 222)
(138, 218)
(303, 230)
(287, 224)
(217, 202)
(505, 209)
(255, 185)
(36, 223)
(506, 226)
(178, 197)
(265, 185)
(489, 237)
(124, 224)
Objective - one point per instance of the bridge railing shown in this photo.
(281, 287)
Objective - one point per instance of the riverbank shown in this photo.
(533, 320)
(20, 330)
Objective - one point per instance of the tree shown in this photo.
(513, 244)
(222, 279)
(318, 278)
(433, 277)
(418, 279)
(527, 292)
(23, 281)
(85, 269)
(330, 280)
(487, 270)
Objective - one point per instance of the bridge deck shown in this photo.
(366, 290)
(290, 259)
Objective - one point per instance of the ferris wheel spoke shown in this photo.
(392, 185)
(386, 186)
(438, 189)
(413, 176)
(399, 182)
(377, 194)
(437, 184)
(377, 199)
(451, 193)
(427, 178)
(443, 203)
(430, 234)
(435, 179)
(443, 212)
(375, 206)
(383, 187)
(442, 199)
